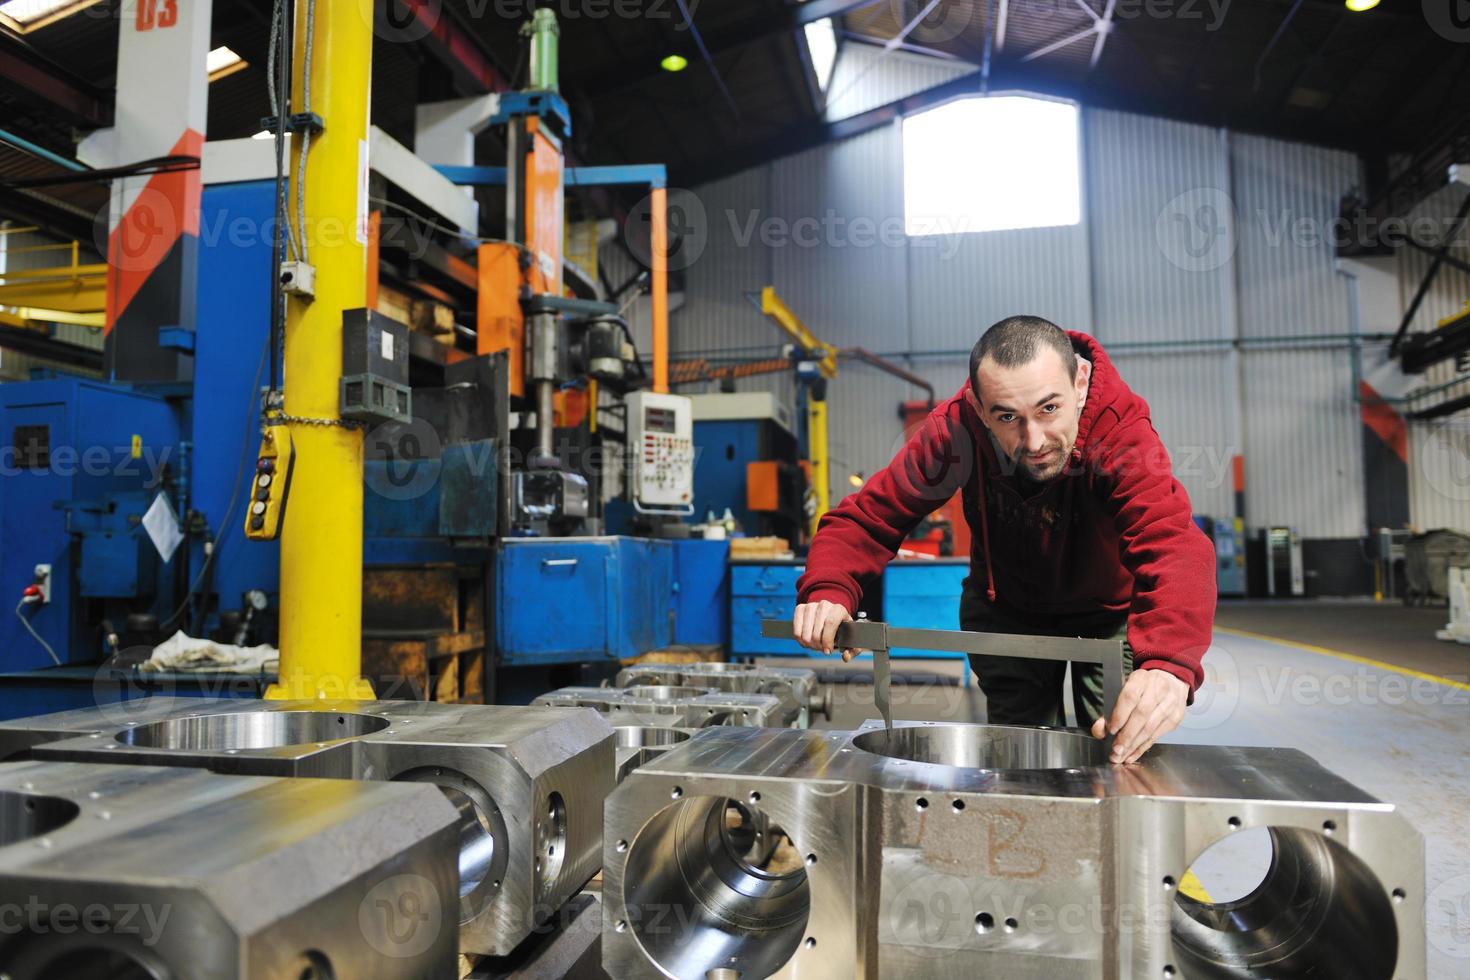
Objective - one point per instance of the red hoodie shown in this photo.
(1111, 534)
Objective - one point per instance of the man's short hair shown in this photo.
(1017, 340)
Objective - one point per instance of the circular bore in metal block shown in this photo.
(89, 963)
(483, 853)
(648, 736)
(551, 839)
(985, 746)
(1318, 912)
(735, 914)
(24, 816)
(251, 730)
(664, 692)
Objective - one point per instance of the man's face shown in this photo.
(1032, 411)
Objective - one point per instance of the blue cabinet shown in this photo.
(701, 592)
(924, 594)
(569, 600)
(762, 590)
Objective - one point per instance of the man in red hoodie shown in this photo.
(1080, 530)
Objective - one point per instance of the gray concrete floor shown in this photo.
(1403, 738)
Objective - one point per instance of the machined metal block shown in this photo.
(974, 850)
(797, 687)
(639, 743)
(670, 706)
(529, 783)
(169, 873)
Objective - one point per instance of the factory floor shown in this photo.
(1362, 687)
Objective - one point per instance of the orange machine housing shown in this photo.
(507, 271)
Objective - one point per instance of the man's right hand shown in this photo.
(815, 625)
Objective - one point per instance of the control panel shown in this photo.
(266, 506)
(661, 442)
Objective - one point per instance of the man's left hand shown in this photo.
(1150, 707)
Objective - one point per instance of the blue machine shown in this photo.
(734, 432)
(89, 456)
(558, 600)
(571, 600)
(82, 462)
(1229, 535)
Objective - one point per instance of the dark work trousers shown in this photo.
(1029, 692)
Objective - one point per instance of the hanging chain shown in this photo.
(303, 420)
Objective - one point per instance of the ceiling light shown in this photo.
(29, 15)
(264, 134)
(221, 62)
(674, 62)
(856, 479)
(1358, 6)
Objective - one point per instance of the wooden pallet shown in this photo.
(423, 633)
(679, 655)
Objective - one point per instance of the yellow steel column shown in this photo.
(321, 539)
(816, 443)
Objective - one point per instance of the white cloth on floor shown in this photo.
(184, 652)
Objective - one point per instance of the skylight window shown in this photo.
(991, 164)
(29, 15)
(221, 62)
(821, 41)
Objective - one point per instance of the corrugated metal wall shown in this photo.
(1194, 244)
(1439, 449)
(15, 366)
(1303, 436)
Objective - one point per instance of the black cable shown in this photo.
(229, 511)
(281, 31)
(156, 165)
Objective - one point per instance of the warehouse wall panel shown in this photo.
(1450, 290)
(961, 284)
(1192, 401)
(1439, 473)
(1303, 442)
(1439, 449)
(834, 230)
(1160, 229)
(724, 266)
(1286, 199)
